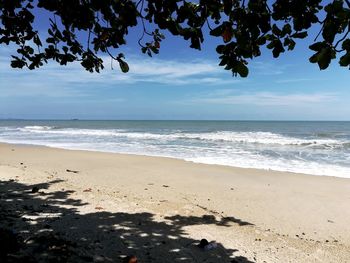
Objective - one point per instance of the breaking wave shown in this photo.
(220, 136)
(319, 153)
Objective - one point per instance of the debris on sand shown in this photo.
(72, 171)
(204, 244)
(35, 189)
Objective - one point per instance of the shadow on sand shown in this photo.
(43, 226)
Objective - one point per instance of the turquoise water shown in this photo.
(320, 148)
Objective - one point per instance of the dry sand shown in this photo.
(113, 205)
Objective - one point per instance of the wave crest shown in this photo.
(263, 138)
(38, 128)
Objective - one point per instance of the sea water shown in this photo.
(318, 148)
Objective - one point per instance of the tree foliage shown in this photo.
(243, 27)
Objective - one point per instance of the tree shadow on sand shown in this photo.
(45, 226)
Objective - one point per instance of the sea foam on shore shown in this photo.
(319, 148)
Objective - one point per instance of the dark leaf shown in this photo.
(123, 66)
(299, 35)
(345, 60)
(241, 69)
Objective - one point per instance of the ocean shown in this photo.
(317, 148)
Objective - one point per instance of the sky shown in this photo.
(180, 83)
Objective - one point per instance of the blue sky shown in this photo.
(179, 83)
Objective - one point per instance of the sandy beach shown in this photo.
(106, 206)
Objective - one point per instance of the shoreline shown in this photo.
(260, 215)
(171, 158)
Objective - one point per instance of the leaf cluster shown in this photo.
(244, 28)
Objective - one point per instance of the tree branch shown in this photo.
(319, 32)
(88, 43)
(341, 40)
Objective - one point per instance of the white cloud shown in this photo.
(262, 98)
(265, 68)
(282, 81)
(173, 72)
(173, 69)
(55, 80)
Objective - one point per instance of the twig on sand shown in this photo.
(72, 171)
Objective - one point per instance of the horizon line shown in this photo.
(223, 120)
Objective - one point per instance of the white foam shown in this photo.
(294, 166)
(259, 138)
(50, 131)
(261, 150)
(38, 128)
(222, 136)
